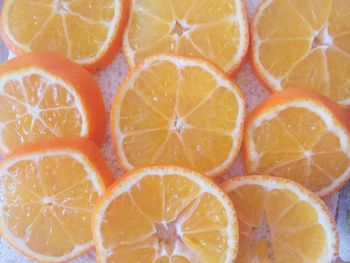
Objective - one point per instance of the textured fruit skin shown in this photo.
(105, 59)
(231, 72)
(252, 51)
(229, 186)
(118, 99)
(341, 115)
(75, 144)
(116, 43)
(234, 70)
(101, 200)
(74, 75)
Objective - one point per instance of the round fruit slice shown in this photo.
(44, 95)
(165, 214)
(88, 32)
(47, 191)
(303, 44)
(178, 111)
(281, 221)
(215, 30)
(302, 136)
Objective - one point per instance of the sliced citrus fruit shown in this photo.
(302, 136)
(281, 221)
(47, 191)
(44, 95)
(86, 31)
(165, 214)
(215, 30)
(303, 44)
(178, 111)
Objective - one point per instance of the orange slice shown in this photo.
(44, 95)
(215, 30)
(303, 44)
(47, 190)
(302, 136)
(86, 31)
(165, 214)
(179, 111)
(281, 221)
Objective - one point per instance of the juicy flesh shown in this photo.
(297, 144)
(77, 29)
(276, 226)
(307, 45)
(47, 208)
(209, 29)
(166, 218)
(178, 116)
(34, 107)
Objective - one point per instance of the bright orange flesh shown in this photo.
(163, 214)
(281, 222)
(47, 191)
(306, 45)
(42, 96)
(215, 30)
(86, 31)
(174, 110)
(296, 135)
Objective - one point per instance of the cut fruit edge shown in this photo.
(237, 62)
(129, 180)
(336, 118)
(80, 149)
(326, 219)
(180, 61)
(106, 53)
(269, 82)
(61, 70)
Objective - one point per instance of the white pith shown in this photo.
(275, 83)
(180, 248)
(238, 17)
(236, 134)
(112, 26)
(324, 216)
(20, 241)
(33, 110)
(328, 118)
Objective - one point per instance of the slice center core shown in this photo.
(178, 124)
(47, 201)
(322, 39)
(60, 7)
(167, 236)
(179, 28)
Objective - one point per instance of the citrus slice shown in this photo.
(281, 221)
(47, 190)
(165, 214)
(88, 32)
(178, 111)
(303, 44)
(214, 30)
(302, 136)
(44, 95)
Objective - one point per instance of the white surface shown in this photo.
(109, 80)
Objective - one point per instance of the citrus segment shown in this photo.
(215, 30)
(280, 221)
(297, 44)
(47, 191)
(88, 32)
(180, 111)
(42, 96)
(301, 136)
(165, 214)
